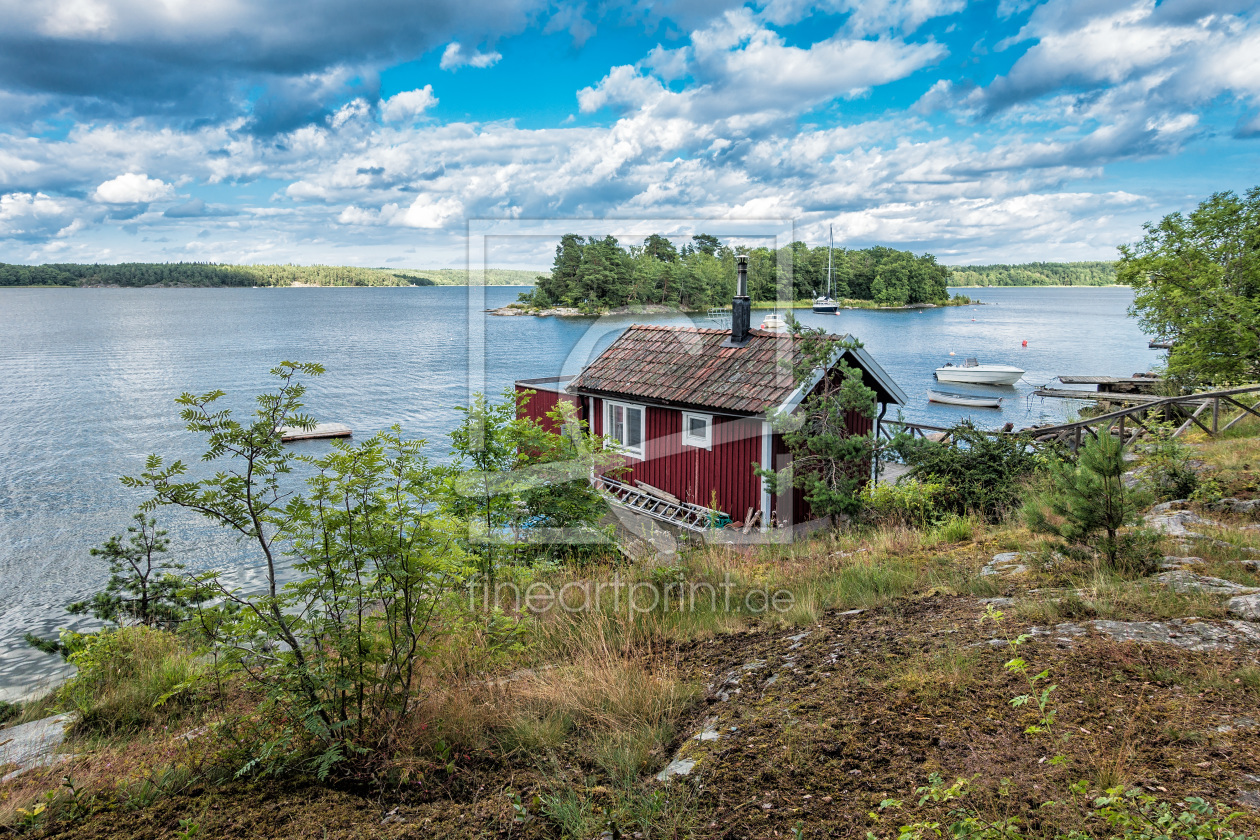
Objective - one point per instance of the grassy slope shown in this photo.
(860, 710)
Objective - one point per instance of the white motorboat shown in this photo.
(968, 400)
(774, 322)
(974, 373)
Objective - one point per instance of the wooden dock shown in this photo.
(288, 434)
(1100, 396)
(1116, 384)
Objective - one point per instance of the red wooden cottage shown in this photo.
(687, 407)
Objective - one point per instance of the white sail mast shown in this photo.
(831, 241)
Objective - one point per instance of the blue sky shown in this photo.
(371, 133)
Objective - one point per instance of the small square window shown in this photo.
(697, 430)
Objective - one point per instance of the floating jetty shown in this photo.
(1100, 396)
(1116, 384)
(1116, 389)
(288, 434)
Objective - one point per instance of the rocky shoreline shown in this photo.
(659, 309)
(574, 312)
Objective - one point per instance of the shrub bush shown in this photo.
(126, 677)
(982, 473)
(908, 502)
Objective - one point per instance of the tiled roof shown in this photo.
(689, 366)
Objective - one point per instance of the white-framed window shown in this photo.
(697, 430)
(623, 423)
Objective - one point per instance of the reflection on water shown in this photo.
(88, 378)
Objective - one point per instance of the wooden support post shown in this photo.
(1216, 415)
(1076, 438)
(1122, 439)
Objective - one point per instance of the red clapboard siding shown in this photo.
(857, 424)
(541, 402)
(694, 474)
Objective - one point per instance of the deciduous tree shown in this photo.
(1196, 283)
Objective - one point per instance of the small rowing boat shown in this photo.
(320, 431)
(967, 400)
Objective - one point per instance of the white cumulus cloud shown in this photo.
(454, 57)
(428, 212)
(133, 188)
(32, 215)
(408, 105)
(353, 215)
(741, 67)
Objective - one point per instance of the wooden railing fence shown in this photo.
(1202, 410)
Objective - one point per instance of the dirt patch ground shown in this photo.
(809, 730)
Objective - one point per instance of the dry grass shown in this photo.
(589, 684)
(124, 772)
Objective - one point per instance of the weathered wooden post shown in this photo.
(1216, 414)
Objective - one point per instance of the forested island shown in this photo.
(1098, 273)
(186, 274)
(593, 274)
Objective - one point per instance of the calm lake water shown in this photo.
(88, 378)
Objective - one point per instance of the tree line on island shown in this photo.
(219, 274)
(596, 274)
(1096, 273)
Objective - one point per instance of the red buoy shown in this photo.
(1025, 342)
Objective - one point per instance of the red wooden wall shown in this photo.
(799, 512)
(694, 474)
(541, 402)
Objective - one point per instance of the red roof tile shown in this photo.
(689, 366)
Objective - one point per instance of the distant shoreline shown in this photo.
(220, 275)
(521, 310)
(1046, 286)
(285, 286)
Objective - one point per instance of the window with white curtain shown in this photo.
(623, 423)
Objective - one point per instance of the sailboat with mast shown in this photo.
(825, 304)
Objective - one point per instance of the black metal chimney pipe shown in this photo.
(741, 306)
